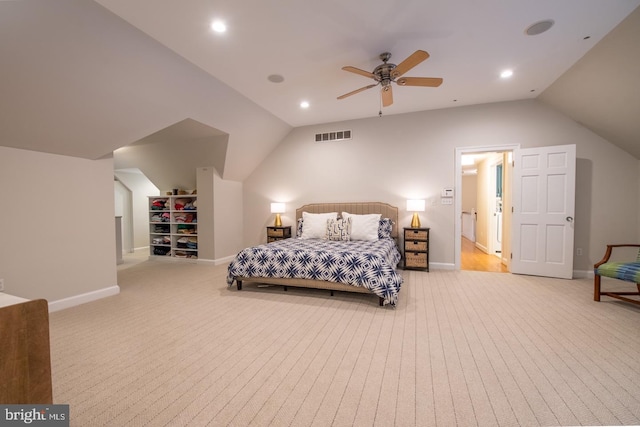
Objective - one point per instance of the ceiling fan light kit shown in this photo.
(387, 73)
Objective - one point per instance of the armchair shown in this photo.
(626, 271)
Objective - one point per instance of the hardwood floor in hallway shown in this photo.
(472, 258)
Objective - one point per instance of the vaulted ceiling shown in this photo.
(83, 78)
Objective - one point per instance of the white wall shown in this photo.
(228, 221)
(219, 216)
(123, 209)
(397, 157)
(57, 216)
(469, 192)
(483, 183)
(141, 188)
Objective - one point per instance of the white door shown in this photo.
(543, 211)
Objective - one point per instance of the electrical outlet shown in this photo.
(1, 285)
(579, 251)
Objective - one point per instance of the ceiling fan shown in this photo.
(387, 73)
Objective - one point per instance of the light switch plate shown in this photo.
(447, 192)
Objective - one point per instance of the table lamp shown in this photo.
(415, 206)
(277, 208)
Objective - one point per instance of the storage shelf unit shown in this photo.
(416, 249)
(173, 226)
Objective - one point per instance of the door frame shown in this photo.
(492, 240)
(459, 151)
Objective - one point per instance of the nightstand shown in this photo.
(416, 249)
(278, 233)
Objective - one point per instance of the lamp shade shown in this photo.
(277, 208)
(415, 205)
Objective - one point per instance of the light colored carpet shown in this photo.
(178, 348)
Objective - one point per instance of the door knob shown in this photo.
(569, 219)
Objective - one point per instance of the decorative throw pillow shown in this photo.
(299, 228)
(363, 227)
(339, 229)
(385, 228)
(314, 226)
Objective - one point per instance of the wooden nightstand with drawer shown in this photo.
(278, 233)
(416, 249)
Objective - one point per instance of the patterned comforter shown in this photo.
(370, 264)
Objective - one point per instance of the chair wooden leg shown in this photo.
(596, 287)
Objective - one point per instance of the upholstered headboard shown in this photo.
(359, 208)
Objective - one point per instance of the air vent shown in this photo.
(339, 135)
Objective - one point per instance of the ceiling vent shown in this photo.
(338, 135)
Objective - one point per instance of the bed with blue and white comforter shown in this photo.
(368, 264)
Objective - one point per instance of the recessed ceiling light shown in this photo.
(304, 104)
(506, 74)
(275, 78)
(218, 26)
(539, 27)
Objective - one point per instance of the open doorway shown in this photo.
(124, 210)
(482, 207)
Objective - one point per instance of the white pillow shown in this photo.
(314, 226)
(363, 227)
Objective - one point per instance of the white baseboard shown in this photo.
(577, 274)
(583, 274)
(218, 261)
(441, 266)
(225, 260)
(482, 248)
(61, 304)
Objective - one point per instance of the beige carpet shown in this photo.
(178, 348)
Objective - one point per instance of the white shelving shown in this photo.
(173, 226)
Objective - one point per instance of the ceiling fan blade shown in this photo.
(420, 81)
(359, 71)
(357, 91)
(387, 96)
(414, 59)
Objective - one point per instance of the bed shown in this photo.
(334, 264)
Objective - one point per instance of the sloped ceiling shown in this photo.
(169, 157)
(78, 80)
(307, 42)
(82, 80)
(602, 90)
